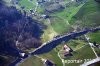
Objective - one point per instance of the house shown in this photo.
(67, 48)
(44, 16)
(68, 51)
(96, 45)
(22, 54)
(48, 62)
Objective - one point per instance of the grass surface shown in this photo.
(52, 55)
(32, 61)
(27, 4)
(95, 37)
(76, 44)
(88, 15)
(60, 25)
(68, 12)
(79, 54)
(82, 54)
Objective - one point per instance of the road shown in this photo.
(94, 60)
(48, 46)
(61, 58)
(91, 45)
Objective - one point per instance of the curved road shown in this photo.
(48, 46)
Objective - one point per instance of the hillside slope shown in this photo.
(88, 15)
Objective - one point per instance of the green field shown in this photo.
(30, 5)
(68, 12)
(52, 55)
(88, 15)
(95, 37)
(32, 61)
(83, 53)
(76, 44)
(60, 25)
(27, 4)
(60, 21)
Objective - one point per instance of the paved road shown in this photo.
(48, 46)
(91, 45)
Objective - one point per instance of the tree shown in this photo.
(14, 23)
